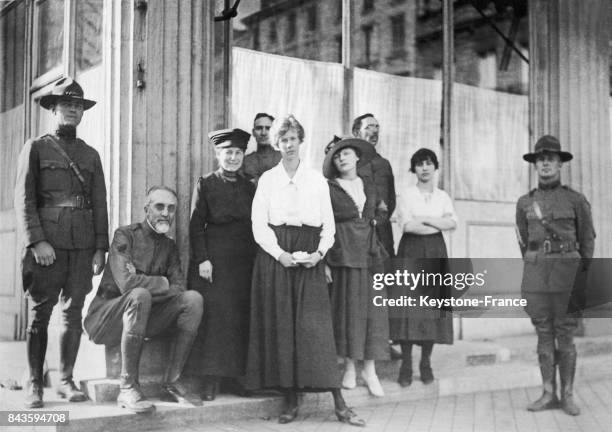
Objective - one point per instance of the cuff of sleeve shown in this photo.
(102, 242)
(34, 235)
(276, 253)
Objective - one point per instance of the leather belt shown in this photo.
(75, 201)
(554, 246)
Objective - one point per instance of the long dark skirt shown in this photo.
(291, 342)
(220, 348)
(360, 328)
(418, 253)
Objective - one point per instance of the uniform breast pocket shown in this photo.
(54, 175)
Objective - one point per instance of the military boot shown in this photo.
(130, 395)
(70, 340)
(548, 400)
(173, 391)
(36, 347)
(567, 371)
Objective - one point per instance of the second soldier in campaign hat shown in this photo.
(222, 254)
(556, 236)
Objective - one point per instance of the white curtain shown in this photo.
(278, 85)
(489, 129)
(489, 135)
(408, 111)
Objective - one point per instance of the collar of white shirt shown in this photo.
(283, 177)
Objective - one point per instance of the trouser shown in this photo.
(127, 319)
(68, 279)
(554, 327)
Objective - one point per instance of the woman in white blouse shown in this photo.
(424, 212)
(291, 344)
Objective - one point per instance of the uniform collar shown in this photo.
(149, 231)
(549, 186)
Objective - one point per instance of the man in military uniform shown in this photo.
(142, 294)
(266, 156)
(60, 204)
(379, 171)
(556, 236)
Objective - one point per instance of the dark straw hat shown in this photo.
(65, 89)
(550, 144)
(225, 138)
(366, 153)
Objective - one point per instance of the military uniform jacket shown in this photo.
(44, 177)
(154, 257)
(570, 214)
(255, 164)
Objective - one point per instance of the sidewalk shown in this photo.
(480, 386)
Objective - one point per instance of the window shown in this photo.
(256, 37)
(12, 49)
(367, 43)
(312, 17)
(368, 5)
(50, 35)
(291, 30)
(88, 44)
(273, 33)
(398, 33)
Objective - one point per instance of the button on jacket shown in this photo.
(154, 256)
(570, 213)
(44, 178)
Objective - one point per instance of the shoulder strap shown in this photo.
(73, 166)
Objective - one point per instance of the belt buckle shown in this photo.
(547, 246)
(79, 201)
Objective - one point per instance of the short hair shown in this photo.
(422, 155)
(357, 122)
(155, 188)
(282, 125)
(262, 114)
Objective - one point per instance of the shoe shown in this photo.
(288, 415)
(426, 375)
(347, 415)
(545, 402)
(405, 377)
(209, 392)
(373, 384)
(68, 390)
(132, 399)
(34, 397)
(349, 380)
(172, 393)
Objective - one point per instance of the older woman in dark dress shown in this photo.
(222, 254)
(361, 329)
(291, 344)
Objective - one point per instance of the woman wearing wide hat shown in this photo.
(361, 329)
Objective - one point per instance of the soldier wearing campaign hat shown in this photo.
(60, 204)
(556, 236)
(222, 255)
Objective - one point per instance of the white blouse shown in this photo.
(414, 203)
(355, 190)
(301, 200)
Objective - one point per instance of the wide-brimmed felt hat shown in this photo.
(365, 149)
(224, 138)
(550, 144)
(65, 89)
